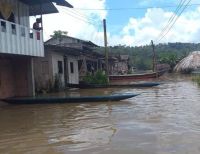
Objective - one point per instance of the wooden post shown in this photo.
(154, 56)
(41, 17)
(18, 13)
(106, 48)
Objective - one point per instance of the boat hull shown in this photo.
(52, 100)
(131, 85)
(134, 77)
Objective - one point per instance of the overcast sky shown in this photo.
(130, 27)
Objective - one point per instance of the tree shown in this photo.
(169, 58)
(59, 34)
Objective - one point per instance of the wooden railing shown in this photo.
(21, 40)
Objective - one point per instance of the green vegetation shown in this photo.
(98, 78)
(50, 86)
(196, 79)
(59, 34)
(168, 58)
(141, 57)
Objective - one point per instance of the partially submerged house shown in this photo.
(19, 44)
(58, 68)
(66, 61)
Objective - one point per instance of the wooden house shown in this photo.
(19, 43)
(118, 64)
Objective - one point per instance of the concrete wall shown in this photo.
(64, 40)
(45, 69)
(55, 58)
(43, 72)
(73, 77)
(15, 76)
(7, 88)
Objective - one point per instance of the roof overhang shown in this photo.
(38, 7)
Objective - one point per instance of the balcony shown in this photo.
(21, 40)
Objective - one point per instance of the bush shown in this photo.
(98, 78)
(196, 79)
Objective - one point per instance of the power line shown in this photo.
(134, 8)
(175, 20)
(82, 18)
(171, 19)
(77, 17)
(76, 12)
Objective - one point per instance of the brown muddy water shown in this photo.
(162, 120)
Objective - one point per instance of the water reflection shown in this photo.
(163, 120)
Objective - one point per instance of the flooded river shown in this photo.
(162, 120)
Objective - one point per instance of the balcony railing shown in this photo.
(21, 40)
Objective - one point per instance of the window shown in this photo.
(3, 26)
(13, 27)
(60, 67)
(72, 67)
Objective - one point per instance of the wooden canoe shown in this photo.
(131, 85)
(52, 100)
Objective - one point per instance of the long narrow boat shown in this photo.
(52, 100)
(130, 85)
(133, 77)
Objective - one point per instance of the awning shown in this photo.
(44, 6)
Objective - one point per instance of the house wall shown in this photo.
(20, 10)
(18, 38)
(73, 76)
(15, 77)
(55, 58)
(45, 69)
(43, 72)
(63, 41)
(7, 88)
(122, 67)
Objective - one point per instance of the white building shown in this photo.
(19, 43)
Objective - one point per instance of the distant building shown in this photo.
(118, 64)
(19, 43)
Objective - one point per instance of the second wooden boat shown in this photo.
(133, 77)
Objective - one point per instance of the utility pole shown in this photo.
(154, 56)
(106, 48)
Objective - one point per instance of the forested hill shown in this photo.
(141, 57)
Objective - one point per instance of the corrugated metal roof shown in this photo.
(38, 2)
(44, 6)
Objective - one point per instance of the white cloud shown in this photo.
(75, 22)
(143, 30)
(138, 31)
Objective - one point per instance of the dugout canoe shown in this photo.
(83, 99)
